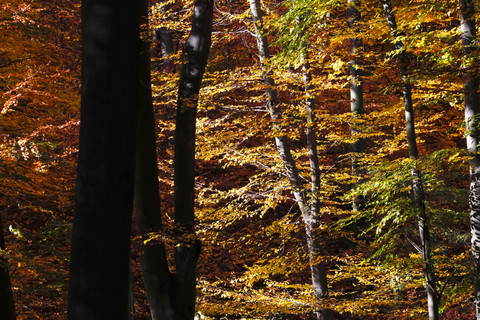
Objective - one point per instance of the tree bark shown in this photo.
(319, 274)
(100, 252)
(7, 304)
(356, 95)
(156, 275)
(472, 110)
(310, 217)
(187, 249)
(418, 193)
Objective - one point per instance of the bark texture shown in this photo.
(472, 110)
(187, 249)
(418, 193)
(309, 214)
(318, 269)
(100, 252)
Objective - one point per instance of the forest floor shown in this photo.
(40, 273)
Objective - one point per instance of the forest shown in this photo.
(260, 159)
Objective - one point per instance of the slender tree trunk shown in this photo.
(356, 94)
(195, 56)
(472, 110)
(417, 182)
(310, 217)
(100, 253)
(7, 305)
(318, 267)
(163, 44)
(156, 275)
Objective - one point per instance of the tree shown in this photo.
(100, 253)
(172, 295)
(254, 260)
(356, 92)
(309, 210)
(162, 40)
(156, 275)
(418, 193)
(187, 249)
(472, 110)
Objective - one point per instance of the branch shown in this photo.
(6, 64)
(414, 245)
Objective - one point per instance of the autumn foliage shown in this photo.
(254, 262)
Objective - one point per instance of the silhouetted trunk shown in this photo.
(472, 111)
(356, 94)
(156, 275)
(310, 217)
(417, 182)
(100, 252)
(187, 249)
(7, 305)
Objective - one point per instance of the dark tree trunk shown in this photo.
(187, 249)
(156, 275)
(309, 214)
(417, 182)
(472, 110)
(7, 305)
(356, 94)
(100, 253)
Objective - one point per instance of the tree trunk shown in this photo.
(7, 305)
(319, 274)
(310, 217)
(153, 259)
(356, 95)
(472, 110)
(417, 182)
(163, 44)
(187, 249)
(100, 253)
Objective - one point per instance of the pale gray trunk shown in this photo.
(310, 217)
(417, 182)
(472, 111)
(319, 273)
(356, 94)
(187, 249)
(311, 135)
(275, 112)
(317, 265)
